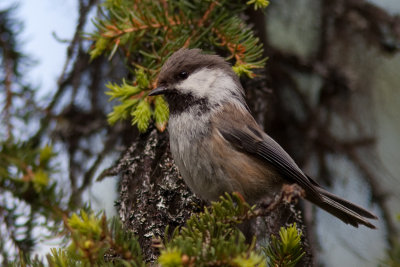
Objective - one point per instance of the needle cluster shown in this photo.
(145, 33)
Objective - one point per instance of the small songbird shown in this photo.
(217, 144)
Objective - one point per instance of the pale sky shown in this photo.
(42, 18)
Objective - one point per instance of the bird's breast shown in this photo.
(210, 166)
(191, 152)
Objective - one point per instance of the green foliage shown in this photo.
(60, 258)
(210, 238)
(122, 111)
(147, 32)
(92, 238)
(258, 3)
(243, 69)
(100, 46)
(161, 112)
(25, 171)
(287, 251)
(141, 115)
(87, 224)
(171, 257)
(123, 92)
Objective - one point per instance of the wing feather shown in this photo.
(256, 143)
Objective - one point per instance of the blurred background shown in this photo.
(329, 94)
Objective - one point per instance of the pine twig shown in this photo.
(201, 22)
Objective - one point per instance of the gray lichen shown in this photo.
(153, 194)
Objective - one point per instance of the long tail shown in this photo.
(348, 212)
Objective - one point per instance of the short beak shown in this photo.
(158, 91)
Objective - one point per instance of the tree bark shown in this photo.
(152, 193)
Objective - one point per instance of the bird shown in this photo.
(218, 145)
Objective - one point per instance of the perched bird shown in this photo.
(217, 144)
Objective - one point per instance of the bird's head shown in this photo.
(190, 77)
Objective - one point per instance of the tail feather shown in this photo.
(361, 211)
(348, 212)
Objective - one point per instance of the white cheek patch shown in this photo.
(198, 82)
(213, 84)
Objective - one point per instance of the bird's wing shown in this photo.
(254, 142)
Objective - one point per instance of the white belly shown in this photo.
(194, 157)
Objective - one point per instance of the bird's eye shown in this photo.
(183, 75)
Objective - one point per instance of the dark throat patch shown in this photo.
(179, 102)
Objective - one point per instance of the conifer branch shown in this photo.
(210, 238)
(148, 32)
